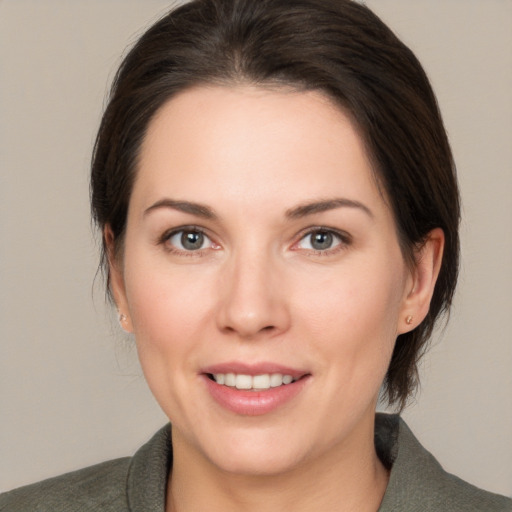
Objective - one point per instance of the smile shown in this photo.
(253, 389)
(252, 382)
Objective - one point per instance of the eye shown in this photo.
(322, 240)
(188, 240)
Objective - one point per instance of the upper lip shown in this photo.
(241, 368)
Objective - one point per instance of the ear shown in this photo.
(422, 281)
(116, 280)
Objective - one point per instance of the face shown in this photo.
(262, 277)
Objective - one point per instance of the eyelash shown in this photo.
(344, 240)
(167, 236)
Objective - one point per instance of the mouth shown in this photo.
(254, 389)
(247, 382)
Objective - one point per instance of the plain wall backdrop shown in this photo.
(71, 391)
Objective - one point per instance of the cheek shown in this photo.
(354, 314)
(169, 308)
(158, 292)
(362, 297)
(170, 313)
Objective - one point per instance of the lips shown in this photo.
(253, 390)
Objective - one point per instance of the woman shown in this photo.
(279, 211)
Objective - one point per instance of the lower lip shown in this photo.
(254, 403)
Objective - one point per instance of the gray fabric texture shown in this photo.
(137, 484)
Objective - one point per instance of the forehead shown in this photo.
(258, 144)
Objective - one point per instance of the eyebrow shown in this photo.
(325, 205)
(205, 212)
(197, 209)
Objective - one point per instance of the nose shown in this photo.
(253, 297)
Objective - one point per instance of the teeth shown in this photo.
(276, 379)
(261, 381)
(243, 382)
(256, 382)
(287, 379)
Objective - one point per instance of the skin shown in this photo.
(258, 291)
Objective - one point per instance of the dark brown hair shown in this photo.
(338, 47)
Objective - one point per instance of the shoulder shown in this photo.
(419, 483)
(101, 487)
(135, 483)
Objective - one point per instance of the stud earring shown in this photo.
(122, 318)
(408, 320)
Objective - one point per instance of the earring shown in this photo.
(408, 320)
(123, 321)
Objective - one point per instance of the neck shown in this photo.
(344, 480)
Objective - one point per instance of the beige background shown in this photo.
(71, 392)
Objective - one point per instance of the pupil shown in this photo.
(192, 240)
(321, 240)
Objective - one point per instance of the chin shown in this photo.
(262, 451)
(258, 462)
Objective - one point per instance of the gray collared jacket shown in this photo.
(138, 484)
